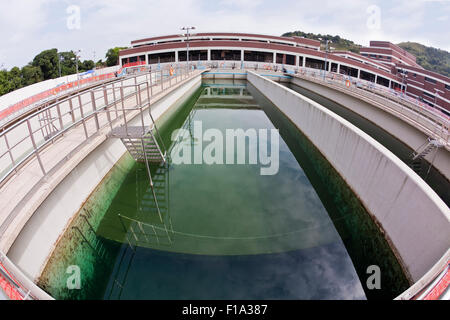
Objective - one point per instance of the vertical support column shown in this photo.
(275, 57)
(82, 116)
(359, 73)
(94, 109)
(33, 142)
(176, 56)
(209, 55)
(105, 98)
(304, 62)
(146, 59)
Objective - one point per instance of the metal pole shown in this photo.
(187, 43)
(59, 64)
(326, 57)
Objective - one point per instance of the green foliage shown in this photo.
(112, 56)
(31, 75)
(338, 43)
(43, 67)
(430, 58)
(4, 82)
(47, 61)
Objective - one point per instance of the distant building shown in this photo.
(382, 62)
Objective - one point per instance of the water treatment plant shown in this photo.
(242, 166)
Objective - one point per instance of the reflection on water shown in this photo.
(225, 231)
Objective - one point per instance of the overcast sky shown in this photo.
(29, 26)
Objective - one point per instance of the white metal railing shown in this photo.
(58, 91)
(29, 136)
(432, 121)
(95, 110)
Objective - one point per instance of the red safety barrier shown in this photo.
(51, 92)
(440, 287)
(9, 289)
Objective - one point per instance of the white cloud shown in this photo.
(30, 26)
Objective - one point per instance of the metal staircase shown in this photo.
(418, 156)
(141, 143)
(91, 239)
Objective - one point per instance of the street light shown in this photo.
(59, 63)
(326, 56)
(76, 63)
(187, 29)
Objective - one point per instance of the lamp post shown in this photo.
(187, 29)
(76, 64)
(326, 57)
(59, 64)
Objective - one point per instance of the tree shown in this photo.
(5, 86)
(15, 78)
(87, 65)
(31, 75)
(47, 61)
(100, 64)
(112, 56)
(68, 65)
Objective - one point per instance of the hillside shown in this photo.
(430, 58)
(338, 42)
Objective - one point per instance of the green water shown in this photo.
(226, 231)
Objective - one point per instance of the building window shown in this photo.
(426, 94)
(163, 57)
(315, 63)
(226, 55)
(285, 59)
(194, 55)
(447, 87)
(258, 56)
(367, 76)
(430, 80)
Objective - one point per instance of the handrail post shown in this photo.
(94, 108)
(123, 111)
(71, 110)
(30, 132)
(9, 151)
(58, 109)
(105, 97)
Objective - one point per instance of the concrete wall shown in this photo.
(398, 128)
(37, 240)
(415, 220)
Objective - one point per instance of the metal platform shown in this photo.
(140, 143)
